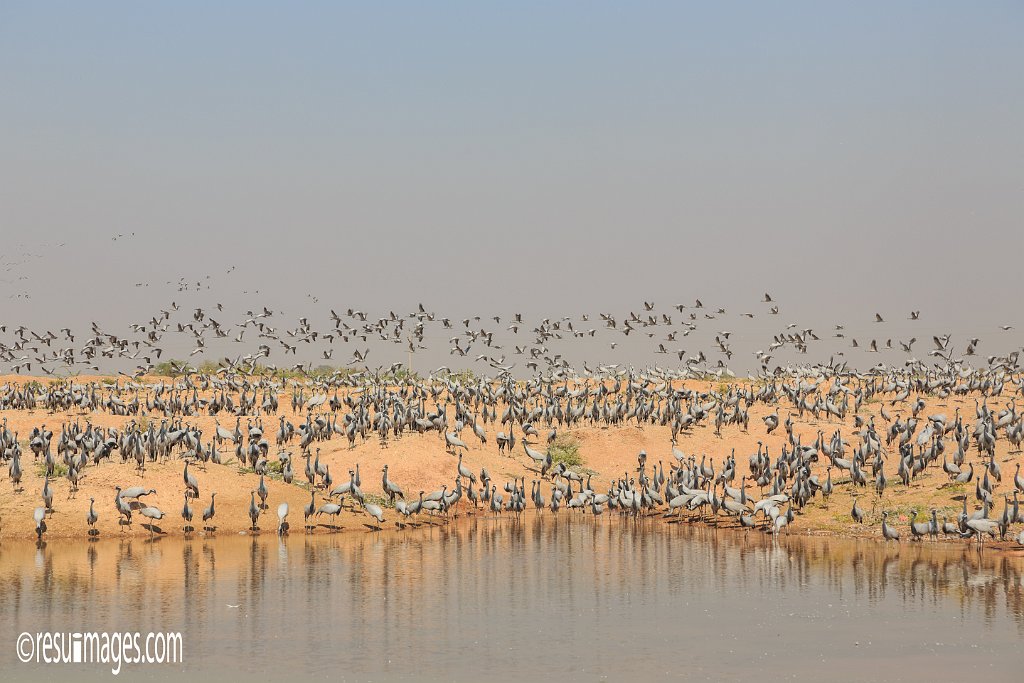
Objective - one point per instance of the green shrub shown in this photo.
(275, 470)
(378, 500)
(463, 377)
(59, 469)
(208, 367)
(403, 375)
(566, 450)
(169, 368)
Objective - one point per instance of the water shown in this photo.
(562, 599)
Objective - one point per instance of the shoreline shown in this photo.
(434, 531)
(354, 525)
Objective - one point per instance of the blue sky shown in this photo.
(590, 153)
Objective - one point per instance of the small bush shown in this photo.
(463, 377)
(566, 450)
(381, 501)
(403, 375)
(169, 368)
(59, 469)
(208, 367)
(275, 470)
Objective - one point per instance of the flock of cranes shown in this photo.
(765, 489)
(165, 419)
(498, 344)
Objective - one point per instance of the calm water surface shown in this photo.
(565, 599)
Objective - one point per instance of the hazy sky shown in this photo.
(543, 157)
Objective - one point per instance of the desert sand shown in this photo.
(419, 462)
